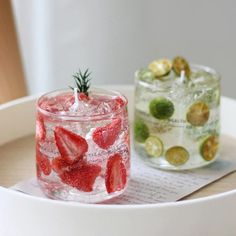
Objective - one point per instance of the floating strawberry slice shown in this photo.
(119, 101)
(38, 172)
(40, 128)
(82, 176)
(105, 136)
(43, 164)
(83, 97)
(115, 178)
(71, 146)
(59, 165)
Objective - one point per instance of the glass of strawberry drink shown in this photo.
(82, 143)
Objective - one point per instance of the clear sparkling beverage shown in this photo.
(177, 119)
(82, 154)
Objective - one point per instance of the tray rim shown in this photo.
(32, 98)
(200, 200)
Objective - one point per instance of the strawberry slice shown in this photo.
(119, 101)
(43, 164)
(83, 97)
(38, 172)
(40, 129)
(82, 176)
(71, 146)
(115, 178)
(59, 165)
(105, 136)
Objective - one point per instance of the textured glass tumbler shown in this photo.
(82, 154)
(177, 123)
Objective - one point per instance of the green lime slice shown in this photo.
(160, 67)
(161, 108)
(209, 147)
(154, 146)
(217, 96)
(177, 155)
(198, 114)
(145, 75)
(179, 64)
(141, 131)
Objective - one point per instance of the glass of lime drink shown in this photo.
(177, 114)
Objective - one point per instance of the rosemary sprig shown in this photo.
(82, 81)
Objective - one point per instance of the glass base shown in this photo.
(195, 161)
(57, 191)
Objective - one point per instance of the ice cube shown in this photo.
(51, 105)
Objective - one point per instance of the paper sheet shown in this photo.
(150, 185)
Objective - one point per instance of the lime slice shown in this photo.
(209, 147)
(160, 67)
(179, 64)
(145, 75)
(217, 96)
(198, 114)
(154, 146)
(177, 155)
(161, 108)
(141, 131)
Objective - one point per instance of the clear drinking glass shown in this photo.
(82, 155)
(177, 122)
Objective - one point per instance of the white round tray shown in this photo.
(21, 214)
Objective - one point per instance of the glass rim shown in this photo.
(76, 117)
(193, 66)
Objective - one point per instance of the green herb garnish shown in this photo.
(82, 81)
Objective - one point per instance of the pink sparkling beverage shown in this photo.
(82, 152)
